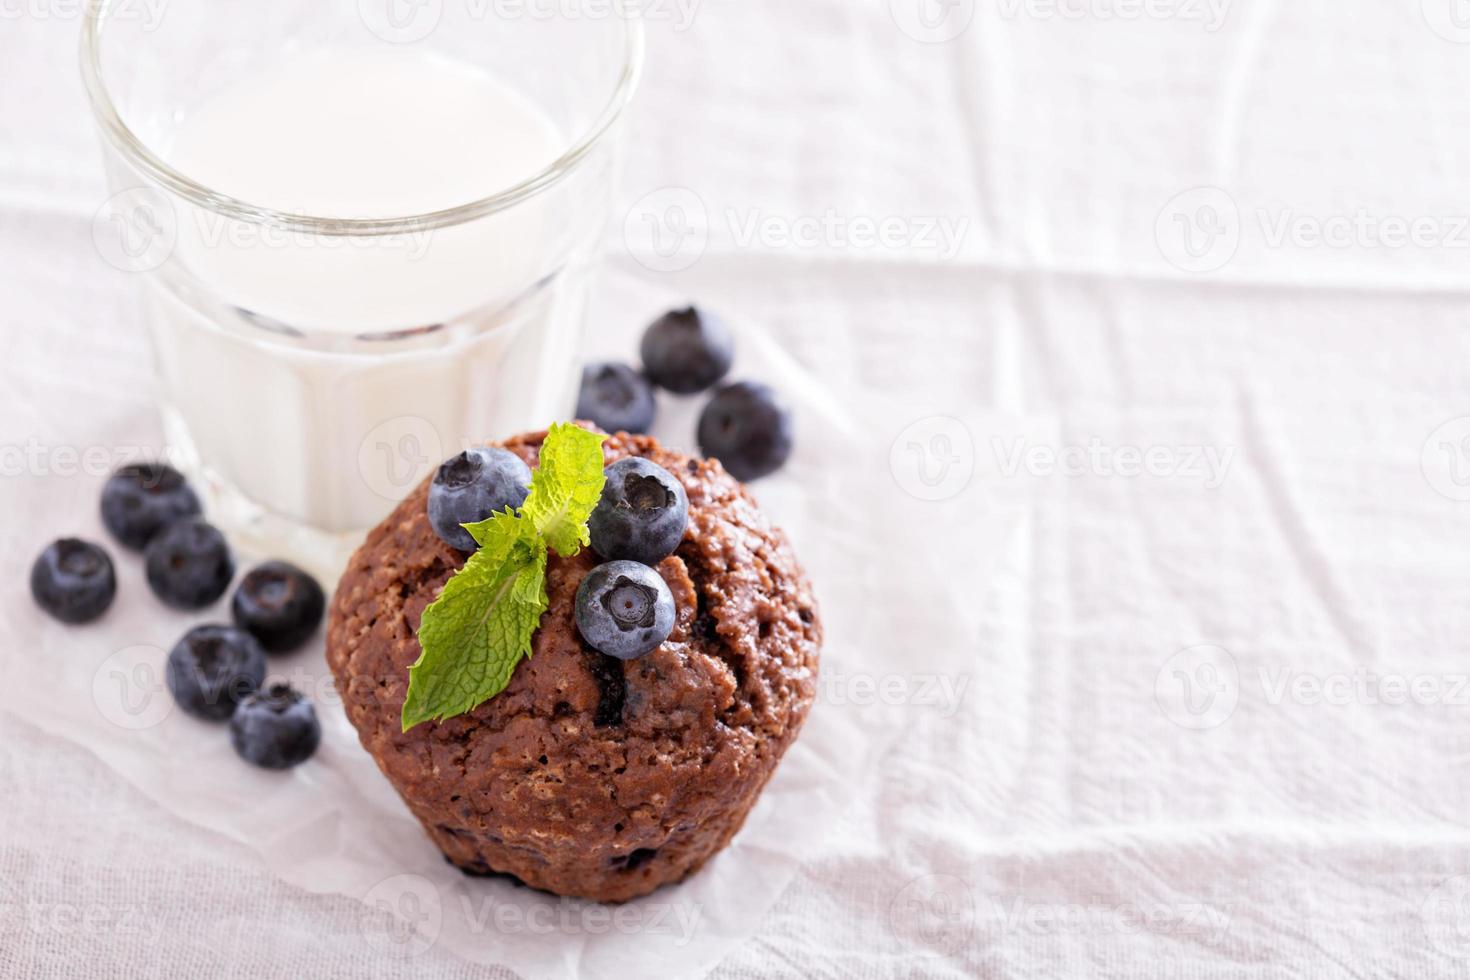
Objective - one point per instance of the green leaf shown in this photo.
(565, 487)
(481, 625)
(478, 629)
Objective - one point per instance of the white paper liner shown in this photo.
(334, 825)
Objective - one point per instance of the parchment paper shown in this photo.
(335, 825)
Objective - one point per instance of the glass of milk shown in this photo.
(364, 231)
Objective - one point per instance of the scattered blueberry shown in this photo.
(214, 668)
(624, 609)
(747, 428)
(687, 350)
(189, 564)
(642, 513)
(73, 580)
(616, 397)
(279, 604)
(276, 728)
(472, 486)
(140, 500)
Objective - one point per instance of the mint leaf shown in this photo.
(565, 487)
(480, 627)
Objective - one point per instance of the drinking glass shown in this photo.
(312, 367)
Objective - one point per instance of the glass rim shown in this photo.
(126, 142)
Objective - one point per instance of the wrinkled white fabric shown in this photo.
(1132, 475)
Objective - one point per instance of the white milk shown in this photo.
(312, 380)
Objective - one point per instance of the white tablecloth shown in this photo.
(1159, 370)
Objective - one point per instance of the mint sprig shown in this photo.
(481, 625)
(566, 487)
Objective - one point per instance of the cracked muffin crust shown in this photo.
(589, 776)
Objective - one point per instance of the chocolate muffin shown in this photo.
(589, 776)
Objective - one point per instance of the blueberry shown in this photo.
(642, 514)
(687, 350)
(624, 609)
(616, 397)
(278, 604)
(189, 564)
(276, 728)
(214, 668)
(73, 580)
(472, 486)
(142, 499)
(747, 428)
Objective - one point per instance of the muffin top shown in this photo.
(581, 744)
